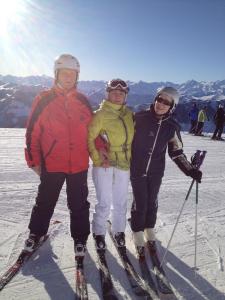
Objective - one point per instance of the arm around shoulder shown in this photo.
(94, 130)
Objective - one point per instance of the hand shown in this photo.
(104, 158)
(105, 164)
(37, 170)
(196, 175)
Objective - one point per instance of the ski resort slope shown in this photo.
(49, 274)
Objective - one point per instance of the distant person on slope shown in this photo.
(193, 116)
(219, 119)
(202, 117)
(155, 131)
(111, 172)
(57, 150)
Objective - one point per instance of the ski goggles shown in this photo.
(161, 100)
(118, 84)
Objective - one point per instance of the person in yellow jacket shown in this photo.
(113, 121)
(202, 117)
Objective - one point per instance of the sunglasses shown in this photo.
(163, 101)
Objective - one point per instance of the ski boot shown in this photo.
(80, 250)
(32, 242)
(120, 239)
(152, 247)
(140, 251)
(99, 242)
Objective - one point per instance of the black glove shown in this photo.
(195, 174)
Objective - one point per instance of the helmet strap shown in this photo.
(56, 79)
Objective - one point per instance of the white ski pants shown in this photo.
(111, 186)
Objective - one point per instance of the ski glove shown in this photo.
(195, 174)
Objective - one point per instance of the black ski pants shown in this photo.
(218, 129)
(48, 194)
(145, 201)
(193, 126)
(199, 128)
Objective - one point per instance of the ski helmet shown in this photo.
(117, 84)
(171, 92)
(66, 61)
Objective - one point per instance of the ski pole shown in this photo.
(178, 218)
(197, 160)
(196, 227)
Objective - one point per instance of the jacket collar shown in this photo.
(108, 104)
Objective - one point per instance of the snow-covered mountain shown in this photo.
(28, 80)
(17, 93)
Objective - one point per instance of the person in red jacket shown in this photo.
(57, 150)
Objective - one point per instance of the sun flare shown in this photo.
(11, 13)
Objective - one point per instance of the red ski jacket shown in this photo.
(57, 130)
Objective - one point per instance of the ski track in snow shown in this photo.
(50, 273)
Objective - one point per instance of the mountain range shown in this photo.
(17, 94)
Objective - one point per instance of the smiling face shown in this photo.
(163, 103)
(67, 78)
(117, 96)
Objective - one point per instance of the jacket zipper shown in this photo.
(126, 133)
(153, 148)
(68, 117)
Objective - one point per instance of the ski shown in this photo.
(136, 283)
(105, 277)
(161, 278)
(23, 257)
(147, 276)
(146, 273)
(81, 284)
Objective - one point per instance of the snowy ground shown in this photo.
(50, 273)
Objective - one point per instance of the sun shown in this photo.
(11, 13)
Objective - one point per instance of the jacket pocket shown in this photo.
(50, 149)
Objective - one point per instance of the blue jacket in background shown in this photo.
(193, 114)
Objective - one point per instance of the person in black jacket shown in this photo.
(193, 116)
(155, 131)
(219, 119)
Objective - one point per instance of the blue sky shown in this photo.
(149, 40)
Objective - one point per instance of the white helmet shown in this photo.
(171, 92)
(66, 61)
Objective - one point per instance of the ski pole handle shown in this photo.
(198, 158)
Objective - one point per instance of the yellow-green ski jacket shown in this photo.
(115, 123)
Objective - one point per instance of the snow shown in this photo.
(50, 273)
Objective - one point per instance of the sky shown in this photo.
(149, 40)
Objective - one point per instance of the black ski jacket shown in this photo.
(219, 116)
(151, 139)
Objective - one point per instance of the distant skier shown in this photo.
(114, 122)
(219, 119)
(202, 117)
(155, 131)
(193, 116)
(57, 150)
